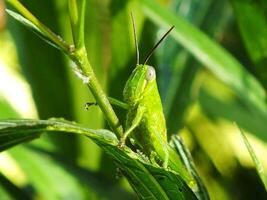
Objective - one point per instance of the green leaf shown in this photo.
(33, 23)
(32, 27)
(26, 128)
(258, 164)
(211, 55)
(148, 181)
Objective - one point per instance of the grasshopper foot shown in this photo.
(121, 143)
(165, 164)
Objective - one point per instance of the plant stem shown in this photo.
(77, 16)
(79, 56)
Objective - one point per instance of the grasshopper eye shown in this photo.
(151, 74)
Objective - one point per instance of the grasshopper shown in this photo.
(145, 119)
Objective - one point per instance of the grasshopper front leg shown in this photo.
(112, 101)
(136, 121)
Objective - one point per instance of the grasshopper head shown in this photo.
(141, 79)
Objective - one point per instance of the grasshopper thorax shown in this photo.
(141, 79)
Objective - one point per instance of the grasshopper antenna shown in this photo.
(158, 43)
(135, 39)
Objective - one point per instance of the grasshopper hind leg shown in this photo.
(136, 121)
(163, 152)
(166, 159)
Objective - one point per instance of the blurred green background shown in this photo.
(200, 101)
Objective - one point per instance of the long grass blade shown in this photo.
(258, 164)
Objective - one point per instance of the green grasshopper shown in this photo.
(145, 122)
(145, 119)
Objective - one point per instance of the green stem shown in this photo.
(78, 55)
(77, 16)
(84, 70)
(80, 58)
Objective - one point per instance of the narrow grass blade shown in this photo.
(188, 162)
(257, 163)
